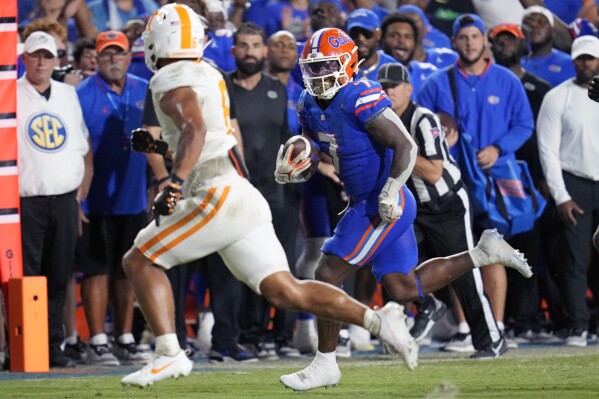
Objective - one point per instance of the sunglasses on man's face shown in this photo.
(354, 33)
(61, 53)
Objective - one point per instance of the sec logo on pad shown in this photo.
(47, 132)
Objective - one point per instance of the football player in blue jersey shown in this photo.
(353, 124)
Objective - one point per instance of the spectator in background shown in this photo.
(112, 104)
(326, 14)
(544, 61)
(85, 57)
(491, 107)
(262, 115)
(113, 14)
(363, 28)
(55, 170)
(568, 148)
(400, 35)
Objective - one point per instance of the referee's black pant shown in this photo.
(446, 226)
(49, 236)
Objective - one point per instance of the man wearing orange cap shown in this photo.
(112, 103)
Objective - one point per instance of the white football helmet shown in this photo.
(173, 31)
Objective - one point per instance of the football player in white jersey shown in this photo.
(206, 206)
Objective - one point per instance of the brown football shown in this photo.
(299, 145)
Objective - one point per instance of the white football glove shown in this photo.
(289, 170)
(389, 208)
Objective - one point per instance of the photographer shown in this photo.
(64, 72)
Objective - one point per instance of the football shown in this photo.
(300, 143)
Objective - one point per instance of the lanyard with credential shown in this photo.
(123, 110)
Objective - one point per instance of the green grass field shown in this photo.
(552, 372)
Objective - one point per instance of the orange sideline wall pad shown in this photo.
(28, 324)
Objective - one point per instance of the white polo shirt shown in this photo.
(567, 137)
(52, 139)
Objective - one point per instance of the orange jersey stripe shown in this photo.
(364, 237)
(185, 27)
(195, 228)
(165, 233)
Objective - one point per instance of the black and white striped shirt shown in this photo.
(425, 128)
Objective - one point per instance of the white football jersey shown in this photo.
(213, 98)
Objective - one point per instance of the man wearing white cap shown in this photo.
(54, 175)
(546, 62)
(569, 150)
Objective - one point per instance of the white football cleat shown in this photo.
(160, 368)
(396, 335)
(497, 251)
(316, 375)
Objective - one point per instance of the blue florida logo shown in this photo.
(47, 132)
(338, 41)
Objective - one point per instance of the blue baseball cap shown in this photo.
(363, 18)
(466, 21)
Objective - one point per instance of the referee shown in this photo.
(443, 213)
